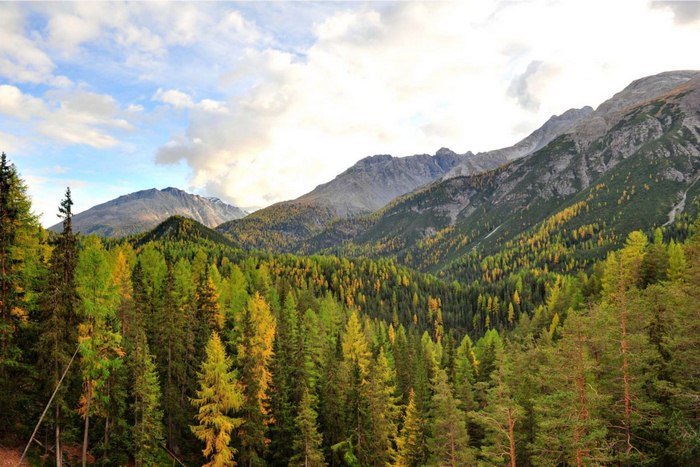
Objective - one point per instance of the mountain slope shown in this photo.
(178, 228)
(365, 187)
(143, 210)
(556, 126)
(629, 168)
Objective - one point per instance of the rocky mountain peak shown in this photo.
(142, 210)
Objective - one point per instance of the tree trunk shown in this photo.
(511, 437)
(87, 422)
(59, 450)
(624, 348)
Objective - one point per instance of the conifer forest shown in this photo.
(181, 350)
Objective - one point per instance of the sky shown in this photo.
(259, 102)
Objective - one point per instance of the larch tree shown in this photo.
(219, 395)
(100, 340)
(255, 352)
(410, 443)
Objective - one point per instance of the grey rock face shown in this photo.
(143, 210)
(639, 91)
(374, 181)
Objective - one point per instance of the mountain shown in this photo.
(178, 228)
(143, 210)
(554, 127)
(363, 188)
(631, 164)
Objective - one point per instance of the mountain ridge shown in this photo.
(143, 210)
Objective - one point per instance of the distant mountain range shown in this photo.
(143, 210)
(579, 183)
(633, 163)
(363, 188)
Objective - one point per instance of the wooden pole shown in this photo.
(43, 414)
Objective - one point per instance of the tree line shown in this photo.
(205, 354)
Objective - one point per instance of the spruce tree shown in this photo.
(307, 441)
(19, 248)
(218, 396)
(449, 441)
(147, 431)
(59, 336)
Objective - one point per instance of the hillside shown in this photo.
(143, 210)
(365, 187)
(631, 164)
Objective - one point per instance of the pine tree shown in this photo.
(148, 416)
(59, 305)
(219, 394)
(449, 443)
(307, 441)
(411, 443)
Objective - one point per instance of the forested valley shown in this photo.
(184, 350)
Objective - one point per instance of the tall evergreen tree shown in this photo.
(148, 416)
(500, 416)
(449, 442)
(307, 440)
(19, 242)
(59, 330)
(218, 396)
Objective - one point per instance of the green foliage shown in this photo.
(148, 425)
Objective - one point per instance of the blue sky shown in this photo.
(258, 102)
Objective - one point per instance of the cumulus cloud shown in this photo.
(412, 78)
(177, 99)
(269, 118)
(67, 116)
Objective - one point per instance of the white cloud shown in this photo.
(68, 116)
(412, 78)
(177, 99)
(21, 59)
